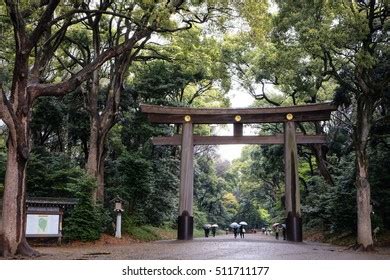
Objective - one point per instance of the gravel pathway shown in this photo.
(253, 247)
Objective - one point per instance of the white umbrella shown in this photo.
(206, 226)
(234, 225)
(243, 223)
(214, 225)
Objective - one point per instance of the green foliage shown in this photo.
(86, 221)
(379, 179)
(146, 232)
(195, 73)
(49, 119)
(209, 191)
(134, 183)
(137, 231)
(200, 217)
(149, 187)
(308, 51)
(52, 174)
(55, 175)
(164, 194)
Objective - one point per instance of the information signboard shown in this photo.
(43, 225)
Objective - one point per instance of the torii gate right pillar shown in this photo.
(292, 202)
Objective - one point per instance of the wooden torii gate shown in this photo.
(187, 117)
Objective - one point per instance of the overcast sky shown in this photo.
(239, 98)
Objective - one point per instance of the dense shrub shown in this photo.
(86, 221)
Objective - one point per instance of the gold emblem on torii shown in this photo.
(289, 116)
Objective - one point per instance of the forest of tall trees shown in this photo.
(74, 73)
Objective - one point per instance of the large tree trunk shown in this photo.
(363, 195)
(95, 162)
(14, 209)
(16, 113)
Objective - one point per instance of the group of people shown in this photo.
(207, 231)
(240, 230)
(236, 230)
(277, 230)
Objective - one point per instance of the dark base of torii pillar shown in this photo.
(294, 228)
(185, 227)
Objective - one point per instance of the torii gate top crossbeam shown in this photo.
(299, 113)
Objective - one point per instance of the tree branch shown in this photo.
(335, 74)
(201, 91)
(17, 22)
(64, 66)
(6, 111)
(43, 23)
(60, 89)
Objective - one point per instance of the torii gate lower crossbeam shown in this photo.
(288, 115)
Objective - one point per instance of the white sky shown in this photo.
(239, 98)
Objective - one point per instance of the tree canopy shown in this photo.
(74, 73)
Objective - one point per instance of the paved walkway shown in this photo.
(253, 247)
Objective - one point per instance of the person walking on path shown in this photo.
(242, 232)
(206, 231)
(213, 230)
(277, 229)
(235, 232)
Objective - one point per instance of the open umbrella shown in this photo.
(234, 225)
(214, 225)
(243, 223)
(276, 224)
(206, 226)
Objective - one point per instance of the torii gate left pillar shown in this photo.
(186, 220)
